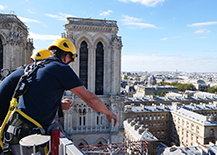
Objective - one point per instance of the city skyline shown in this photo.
(157, 35)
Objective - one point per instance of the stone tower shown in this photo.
(98, 66)
(15, 48)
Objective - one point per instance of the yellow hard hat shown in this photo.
(65, 45)
(40, 54)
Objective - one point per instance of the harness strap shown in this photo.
(20, 89)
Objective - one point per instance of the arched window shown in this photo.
(1, 55)
(211, 132)
(83, 66)
(82, 117)
(198, 129)
(138, 118)
(81, 145)
(99, 69)
(99, 119)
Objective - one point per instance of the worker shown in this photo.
(40, 101)
(52, 80)
(36, 56)
(40, 54)
(8, 85)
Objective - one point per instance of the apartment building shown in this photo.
(188, 128)
(134, 131)
(155, 118)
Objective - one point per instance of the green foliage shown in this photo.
(162, 94)
(180, 86)
(212, 89)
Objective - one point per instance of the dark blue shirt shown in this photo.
(44, 94)
(7, 87)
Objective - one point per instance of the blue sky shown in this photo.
(157, 35)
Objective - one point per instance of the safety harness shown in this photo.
(16, 120)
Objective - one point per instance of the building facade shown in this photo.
(15, 46)
(155, 89)
(177, 123)
(188, 128)
(99, 68)
(135, 132)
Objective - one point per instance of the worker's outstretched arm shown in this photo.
(94, 102)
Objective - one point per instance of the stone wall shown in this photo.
(82, 123)
(17, 48)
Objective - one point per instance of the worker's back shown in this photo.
(44, 94)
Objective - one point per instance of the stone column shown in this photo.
(91, 68)
(107, 70)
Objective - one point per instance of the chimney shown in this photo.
(214, 103)
(142, 106)
(132, 122)
(195, 105)
(129, 119)
(210, 118)
(136, 126)
(141, 129)
(155, 106)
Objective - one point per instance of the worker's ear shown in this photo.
(64, 58)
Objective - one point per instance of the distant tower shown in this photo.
(99, 68)
(15, 48)
(152, 80)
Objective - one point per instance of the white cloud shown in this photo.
(106, 13)
(27, 20)
(163, 38)
(132, 21)
(43, 36)
(151, 3)
(168, 63)
(2, 7)
(202, 31)
(61, 16)
(202, 24)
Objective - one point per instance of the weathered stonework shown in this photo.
(16, 47)
(84, 124)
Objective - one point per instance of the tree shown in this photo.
(180, 86)
(212, 89)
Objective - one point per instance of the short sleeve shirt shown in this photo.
(44, 94)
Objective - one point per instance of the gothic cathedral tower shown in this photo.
(15, 48)
(99, 68)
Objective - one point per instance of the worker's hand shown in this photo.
(112, 116)
(66, 104)
(55, 121)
